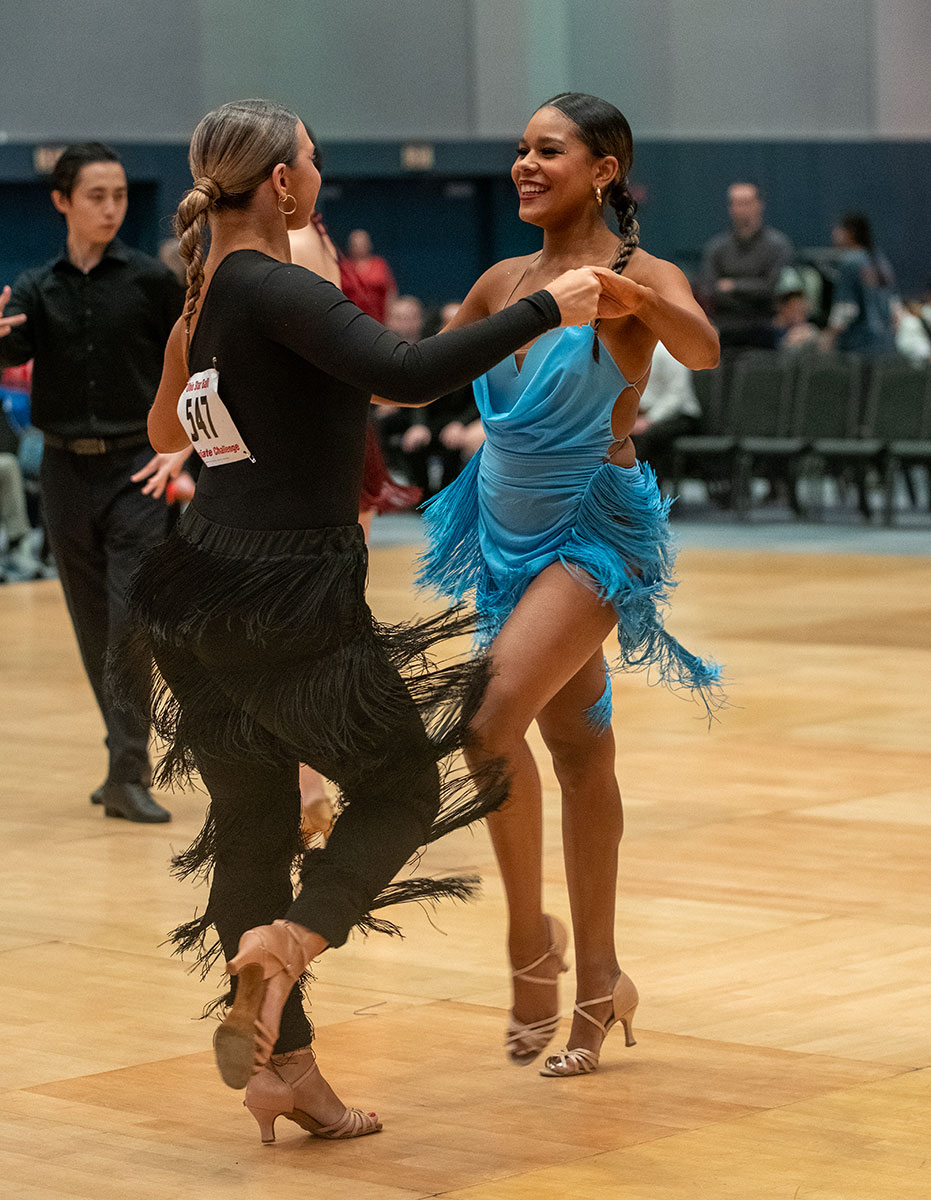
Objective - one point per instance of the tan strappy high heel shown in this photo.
(624, 1000)
(244, 1041)
(288, 1086)
(523, 1042)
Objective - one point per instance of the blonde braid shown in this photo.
(191, 228)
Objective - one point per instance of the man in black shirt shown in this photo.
(95, 320)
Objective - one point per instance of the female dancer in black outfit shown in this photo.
(254, 611)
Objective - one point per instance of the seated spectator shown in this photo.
(924, 307)
(405, 317)
(911, 334)
(436, 438)
(668, 409)
(434, 444)
(18, 560)
(791, 327)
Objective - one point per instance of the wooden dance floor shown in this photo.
(774, 910)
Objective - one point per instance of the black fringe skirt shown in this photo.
(260, 650)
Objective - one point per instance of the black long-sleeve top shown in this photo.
(297, 365)
(97, 338)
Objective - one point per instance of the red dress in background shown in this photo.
(372, 284)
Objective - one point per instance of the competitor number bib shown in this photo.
(207, 421)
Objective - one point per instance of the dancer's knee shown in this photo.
(580, 758)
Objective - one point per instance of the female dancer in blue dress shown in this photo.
(561, 535)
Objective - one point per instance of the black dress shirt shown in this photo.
(97, 339)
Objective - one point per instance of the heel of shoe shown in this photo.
(627, 1020)
(625, 1000)
(234, 1042)
(265, 1118)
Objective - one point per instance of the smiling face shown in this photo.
(96, 208)
(555, 173)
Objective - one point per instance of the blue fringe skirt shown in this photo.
(509, 516)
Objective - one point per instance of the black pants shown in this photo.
(272, 659)
(99, 525)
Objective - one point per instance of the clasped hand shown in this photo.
(589, 293)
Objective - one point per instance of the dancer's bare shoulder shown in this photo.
(491, 291)
(656, 273)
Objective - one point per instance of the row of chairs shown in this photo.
(797, 417)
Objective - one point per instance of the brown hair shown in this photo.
(233, 150)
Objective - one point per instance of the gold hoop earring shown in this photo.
(287, 212)
(599, 197)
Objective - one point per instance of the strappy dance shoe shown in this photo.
(269, 961)
(580, 1061)
(523, 1042)
(289, 1086)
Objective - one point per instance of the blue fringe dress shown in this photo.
(539, 491)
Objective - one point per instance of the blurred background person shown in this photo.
(435, 444)
(373, 275)
(861, 316)
(16, 560)
(741, 269)
(912, 338)
(792, 328)
(405, 316)
(668, 409)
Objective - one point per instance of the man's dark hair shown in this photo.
(73, 159)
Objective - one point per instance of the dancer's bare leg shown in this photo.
(317, 810)
(592, 825)
(552, 634)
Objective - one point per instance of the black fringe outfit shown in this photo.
(266, 654)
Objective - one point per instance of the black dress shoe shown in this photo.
(133, 801)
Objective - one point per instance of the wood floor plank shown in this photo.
(862, 1142)
(773, 907)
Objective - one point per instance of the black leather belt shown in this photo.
(95, 445)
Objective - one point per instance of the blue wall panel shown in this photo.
(442, 228)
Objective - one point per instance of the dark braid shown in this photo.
(628, 227)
